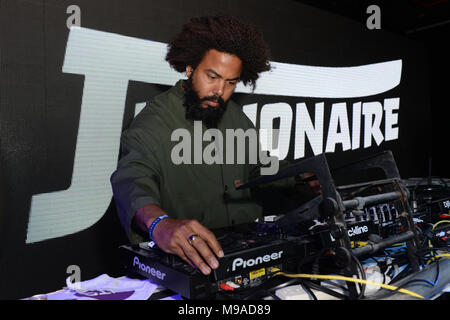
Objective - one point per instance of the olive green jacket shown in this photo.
(146, 173)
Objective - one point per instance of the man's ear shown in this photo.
(189, 71)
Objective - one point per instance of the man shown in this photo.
(178, 204)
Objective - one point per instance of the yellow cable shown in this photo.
(398, 244)
(364, 243)
(439, 222)
(331, 277)
(443, 255)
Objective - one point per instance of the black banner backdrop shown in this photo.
(44, 128)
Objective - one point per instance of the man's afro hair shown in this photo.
(223, 33)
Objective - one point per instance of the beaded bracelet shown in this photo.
(154, 223)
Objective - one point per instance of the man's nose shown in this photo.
(219, 88)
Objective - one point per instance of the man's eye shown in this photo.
(233, 83)
(211, 77)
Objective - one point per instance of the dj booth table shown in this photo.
(414, 282)
(124, 288)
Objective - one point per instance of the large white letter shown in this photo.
(269, 112)
(251, 111)
(390, 118)
(304, 126)
(100, 56)
(356, 125)
(372, 128)
(338, 118)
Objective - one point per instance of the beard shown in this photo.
(210, 116)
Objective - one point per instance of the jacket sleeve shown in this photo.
(255, 172)
(136, 181)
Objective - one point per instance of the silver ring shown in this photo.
(192, 237)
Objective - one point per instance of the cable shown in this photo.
(308, 289)
(439, 222)
(363, 276)
(334, 284)
(432, 252)
(419, 280)
(315, 276)
(437, 273)
(423, 280)
(400, 244)
(434, 226)
(443, 255)
(287, 283)
(327, 291)
(400, 274)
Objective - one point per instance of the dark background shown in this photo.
(426, 22)
(40, 105)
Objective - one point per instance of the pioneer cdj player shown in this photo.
(253, 253)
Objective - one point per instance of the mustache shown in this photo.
(213, 98)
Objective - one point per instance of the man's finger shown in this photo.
(181, 254)
(200, 245)
(192, 254)
(210, 240)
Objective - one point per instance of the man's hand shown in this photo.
(172, 236)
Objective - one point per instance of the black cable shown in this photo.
(362, 288)
(437, 267)
(382, 267)
(401, 274)
(326, 290)
(308, 289)
(334, 284)
(437, 272)
(285, 284)
(301, 282)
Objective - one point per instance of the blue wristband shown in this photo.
(154, 223)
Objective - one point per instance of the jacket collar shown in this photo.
(178, 89)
